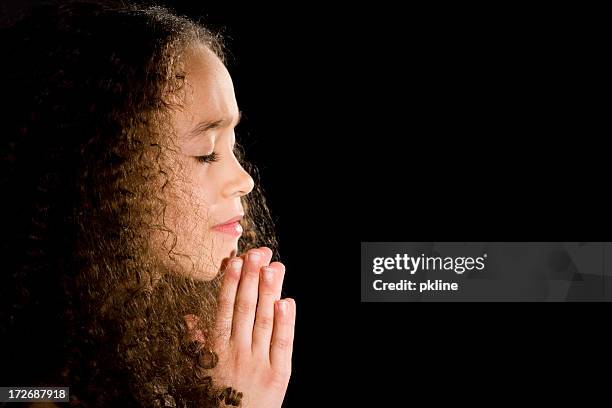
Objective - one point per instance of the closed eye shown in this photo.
(210, 158)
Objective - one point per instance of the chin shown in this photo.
(225, 247)
(207, 270)
(223, 255)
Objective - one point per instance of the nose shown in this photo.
(241, 182)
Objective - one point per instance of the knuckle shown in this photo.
(252, 274)
(254, 252)
(224, 321)
(288, 322)
(264, 322)
(244, 308)
(225, 303)
(267, 290)
(233, 269)
(280, 376)
(232, 277)
(283, 344)
(237, 359)
(224, 329)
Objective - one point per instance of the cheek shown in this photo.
(187, 215)
(193, 196)
(201, 184)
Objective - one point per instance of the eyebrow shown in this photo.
(208, 125)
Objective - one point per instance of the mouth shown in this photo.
(231, 227)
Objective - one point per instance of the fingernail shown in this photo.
(237, 264)
(254, 256)
(268, 274)
(282, 306)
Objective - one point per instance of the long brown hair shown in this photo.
(85, 163)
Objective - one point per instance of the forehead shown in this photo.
(209, 91)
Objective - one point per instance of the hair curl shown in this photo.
(85, 161)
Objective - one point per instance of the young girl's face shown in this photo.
(208, 194)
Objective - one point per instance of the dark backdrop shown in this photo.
(486, 123)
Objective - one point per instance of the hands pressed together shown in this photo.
(254, 331)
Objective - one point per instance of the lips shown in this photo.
(230, 221)
(231, 226)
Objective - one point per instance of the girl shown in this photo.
(127, 199)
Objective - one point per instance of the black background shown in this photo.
(489, 124)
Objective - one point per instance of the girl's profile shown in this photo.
(138, 245)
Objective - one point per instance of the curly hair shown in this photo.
(86, 164)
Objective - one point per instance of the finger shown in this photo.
(281, 347)
(266, 255)
(270, 285)
(226, 261)
(226, 300)
(246, 300)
